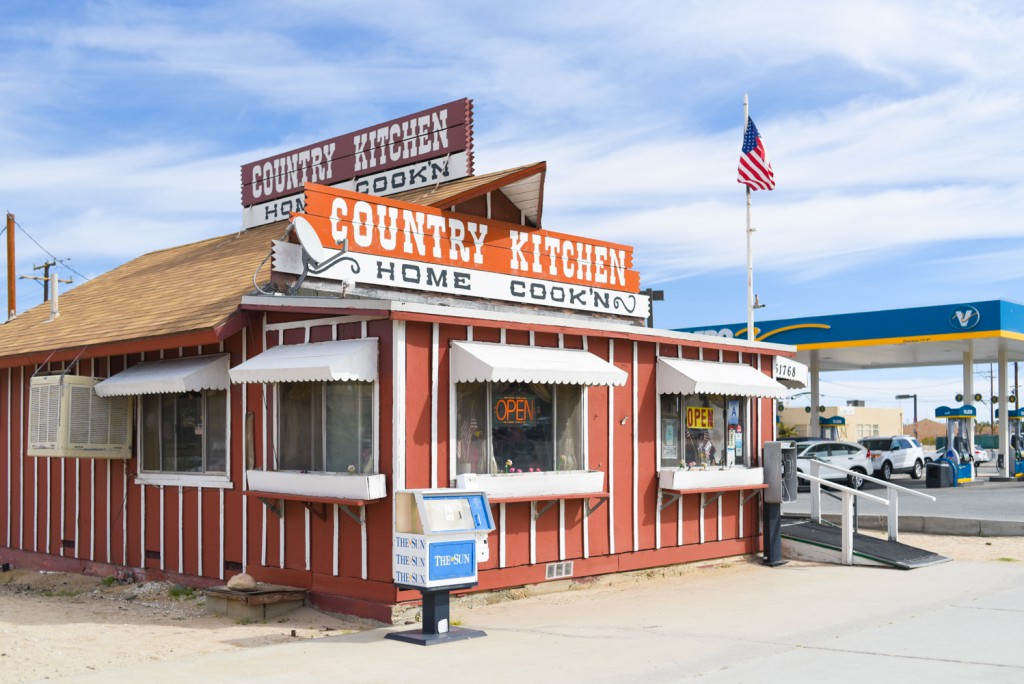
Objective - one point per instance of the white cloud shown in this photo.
(890, 124)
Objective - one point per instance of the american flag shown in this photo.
(467, 430)
(755, 170)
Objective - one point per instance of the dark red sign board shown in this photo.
(430, 134)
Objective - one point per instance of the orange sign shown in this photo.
(514, 410)
(390, 228)
(700, 418)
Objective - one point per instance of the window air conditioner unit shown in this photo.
(68, 419)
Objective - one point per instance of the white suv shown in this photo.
(846, 455)
(899, 454)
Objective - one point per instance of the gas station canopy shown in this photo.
(944, 335)
(896, 338)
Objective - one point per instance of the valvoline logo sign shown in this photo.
(964, 317)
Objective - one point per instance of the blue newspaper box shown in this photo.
(440, 537)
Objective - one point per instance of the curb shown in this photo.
(959, 527)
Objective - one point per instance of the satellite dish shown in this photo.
(310, 241)
(315, 257)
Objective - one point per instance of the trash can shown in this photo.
(938, 474)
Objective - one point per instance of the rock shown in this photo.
(242, 582)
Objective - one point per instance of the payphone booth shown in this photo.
(779, 459)
(959, 449)
(832, 428)
(1016, 429)
(440, 537)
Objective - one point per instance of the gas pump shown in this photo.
(959, 449)
(832, 428)
(1016, 429)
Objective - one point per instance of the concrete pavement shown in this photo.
(732, 622)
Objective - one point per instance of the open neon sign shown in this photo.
(515, 410)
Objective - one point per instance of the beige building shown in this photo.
(861, 421)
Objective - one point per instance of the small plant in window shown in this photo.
(508, 466)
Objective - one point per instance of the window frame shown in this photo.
(488, 430)
(742, 461)
(374, 429)
(213, 479)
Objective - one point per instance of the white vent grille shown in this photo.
(558, 570)
(44, 408)
(67, 418)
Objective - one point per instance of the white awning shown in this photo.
(790, 373)
(483, 362)
(327, 361)
(682, 376)
(173, 375)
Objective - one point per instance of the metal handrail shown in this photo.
(848, 495)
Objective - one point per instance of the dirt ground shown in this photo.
(57, 624)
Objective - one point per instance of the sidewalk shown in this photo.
(741, 622)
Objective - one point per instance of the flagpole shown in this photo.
(750, 241)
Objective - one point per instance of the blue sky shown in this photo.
(889, 124)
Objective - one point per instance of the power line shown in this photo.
(62, 262)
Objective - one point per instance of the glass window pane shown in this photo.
(300, 439)
(349, 427)
(472, 448)
(189, 432)
(215, 431)
(168, 438)
(713, 431)
(518, 427)
(671, 453)
(568, 428)
(702, 421)
(521, 415)
(151, 432)
(735, 431)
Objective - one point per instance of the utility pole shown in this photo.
(45, 278)
(12, 306)
(914, 397)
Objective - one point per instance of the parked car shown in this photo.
(897, 454)
(979, 455)
(847, 455)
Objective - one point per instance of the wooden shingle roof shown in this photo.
(191, 288)
(195, 290)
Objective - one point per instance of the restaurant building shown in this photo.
(252, 402)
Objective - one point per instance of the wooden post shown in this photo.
(11, 278)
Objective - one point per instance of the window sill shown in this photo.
(318, 485)
(534, 485)
(734, 478)
(184, 480)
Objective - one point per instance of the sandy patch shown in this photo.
(59, 624)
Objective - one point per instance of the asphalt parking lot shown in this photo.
(985, 507)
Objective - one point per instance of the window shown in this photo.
(518, 427)
(325, 427)
(702, 431)
(185, 432)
